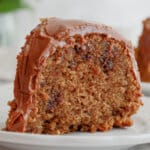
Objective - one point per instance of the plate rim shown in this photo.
(72, 140)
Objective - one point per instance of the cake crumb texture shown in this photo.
(74, 76)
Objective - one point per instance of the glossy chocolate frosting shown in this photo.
(41, 43)
(143, 57)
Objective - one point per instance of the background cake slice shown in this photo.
(143, 52)
(74, 76)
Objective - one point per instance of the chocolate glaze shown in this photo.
(143, 57)
(41, 43)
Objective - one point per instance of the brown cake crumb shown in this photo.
(74, 76)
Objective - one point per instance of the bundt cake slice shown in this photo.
(74, 76)
(143, 52)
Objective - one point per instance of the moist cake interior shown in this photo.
(87, 85)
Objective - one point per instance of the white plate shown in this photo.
(146, 88)
(119, 139)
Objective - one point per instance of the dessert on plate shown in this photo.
(74, 76)
(143, 52)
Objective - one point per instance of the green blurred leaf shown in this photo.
(12, 5)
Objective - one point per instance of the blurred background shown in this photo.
(19, 17)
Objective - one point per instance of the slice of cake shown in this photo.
(74, 76)
(143, 53)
